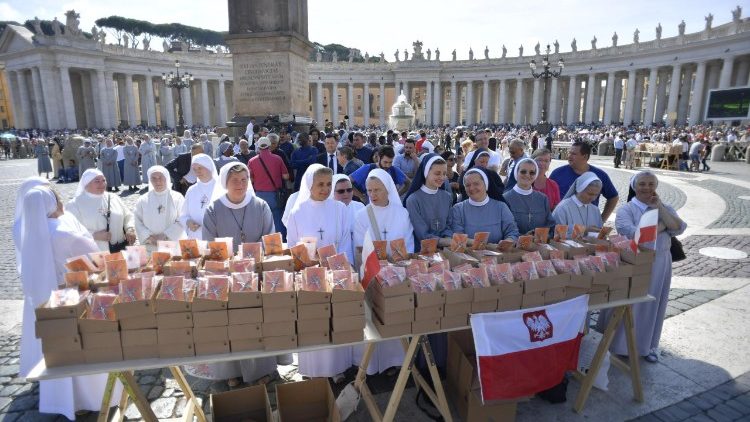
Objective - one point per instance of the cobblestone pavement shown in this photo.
(697, 265)
(737, 213)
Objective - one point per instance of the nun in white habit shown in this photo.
(199, 196)
(317, 215)
(26, 186)
(157, 213)
(577, 208)
(48, 237)
(392, 223)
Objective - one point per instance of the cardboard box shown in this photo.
(644, 256)
(174, 320)
(244, 316)
(429, 299)
(174, 335)
(166, 306)
(43, 313)
(280, 314)
(212, 348)
(639, 285)
(287, 328)
(133, 338)
(456, 321)
(619, 294)
(210, 335)
(470, 408)
(425, 326)
(341, 295)
(348, 323)
(486, 306)
(310, 400)
(485, 294)
(133, 309)
(64, 327)
(279, 300)
(400, 317)
(305, 297)
(546, 283)
(313, 338)
(177, 350)
(598, 298)
(105, 340)
(619, 283)
(96, 325)
(457, 309)
(210, 318)
(402, 289)
(245, 331)
(314, 311)
(61, 344)
(280, 342)
(391, 330)
(554, 295)
(532, 300)
(581, 281)
(344, 337)
(510, 303)
(570, 251)
(109, 354)
(278, 262)
(510, 289)
(596, 288)
(455, 259)
(393, 303)
(432, 312)
(459, 296)
(138, 322)
(305, 326)
(246, 345)
(571, 292)
(622, 270)
(140, 352)
(245, 300)
(642, 269)
(203, 305)
(246, 404)
(59, 358)
(342, 309)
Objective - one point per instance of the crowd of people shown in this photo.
(341, 187)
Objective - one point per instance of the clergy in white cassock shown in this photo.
(244, 217)
(392, 221)
(48, 237)
(317, 215)
(103, 214)
(157, 213)
(199, 196)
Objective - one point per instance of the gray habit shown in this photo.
(530, 211)
(86, 158)
(43, 164)
(430, 214)
(132, 171)
(493, 217)
(111, 172)
(165, 154)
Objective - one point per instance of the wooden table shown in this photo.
(123, 371)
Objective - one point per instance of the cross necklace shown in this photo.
(528, 206)
(240, 225)
(321, 231)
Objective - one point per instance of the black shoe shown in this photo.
(116, 189)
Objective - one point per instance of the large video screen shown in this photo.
(728, 104)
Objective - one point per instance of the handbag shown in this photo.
(678, 253)
(119, 246)
(281, 193)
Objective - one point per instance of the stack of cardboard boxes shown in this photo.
(57, 328)
(174, 327)
(392, 307)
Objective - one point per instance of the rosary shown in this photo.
(241, 225)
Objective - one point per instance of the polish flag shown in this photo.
(370, 262)
(520, 353)
(646, 232)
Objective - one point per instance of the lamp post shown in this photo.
(175, 80)
(543, 127)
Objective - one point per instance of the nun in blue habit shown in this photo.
(428, 203)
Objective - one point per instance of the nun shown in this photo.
(529, 207)
(86, 155)
(428, 203)
(104, 215)
(157, 213)
(166, 153)
(43, 164)
(148, 157)
(48, 237)
(317, 215)
(132, 178)
(226, 155)
(110, 168)
(26, 186)
(200, 195)
(649, 316)
(187, 139)
(389, 221)
(576, 206)
(481, 211)
(481, 159)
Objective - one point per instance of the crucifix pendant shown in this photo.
(529, 218)
(436, 224)
(321, 231)
(385, 234)
(242, 236)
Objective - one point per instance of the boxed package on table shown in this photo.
(313, 307)
(245, 404)
(309, 401)
(279, 306)
(347, 307)
(392, 300)
(245, 291)
(210, 317)
(457, 301)
(57, 327)
(100, 335)
(139, 344)
(174, 317)
(485, 296)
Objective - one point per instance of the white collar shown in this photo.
(641, 206)
(577, 201)
(93, 196)
(231, 205)
(428, 191)
(162, 193)
(480, 203)
(520, 191)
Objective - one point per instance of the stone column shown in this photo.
(335, 104)
(597, 99)
(318, 102)
(129, 101)
(684, 100)
(674, 94)
(428, 103)
(696, 102)
(648, 119)
(630, 99)
(486, 101)
(41, 114)
(407, 91)
(382, 104)
(725, 79)
(88, 87)
(187, 103)
(350, 102)
(141, 105)
(437, 103)
(150, 104)
(469, 116)
(502, 101)
(454, 104)
(742, 74)
(590, 90)
(67, 97)
(51, 92)
(204, 103)
(553, 111)
(366, 104)
(570, 117)
(609, 102)
(224, 117)
(661, 97)
(109, 97)
(640, 80)
(617, 108)
(25, 118)
(102, 102)
(14, 95)
(518, 117)
(535, 103)
(169, 106)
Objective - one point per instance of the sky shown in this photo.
(387, 25)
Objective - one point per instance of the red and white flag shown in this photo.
(645, 235)
(370, 262)
(520, 353)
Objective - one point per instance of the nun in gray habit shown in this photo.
(429, 209)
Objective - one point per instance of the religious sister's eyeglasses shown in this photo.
(343, 191)
(529, 172)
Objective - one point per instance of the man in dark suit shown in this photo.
(328, 158)
(180, 167)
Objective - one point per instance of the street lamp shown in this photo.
(543, 127)
(175, 80)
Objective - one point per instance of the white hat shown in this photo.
(264, 143)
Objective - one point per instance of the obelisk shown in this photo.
(270, 50)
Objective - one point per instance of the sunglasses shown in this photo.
(343, 191)
(529, 172)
